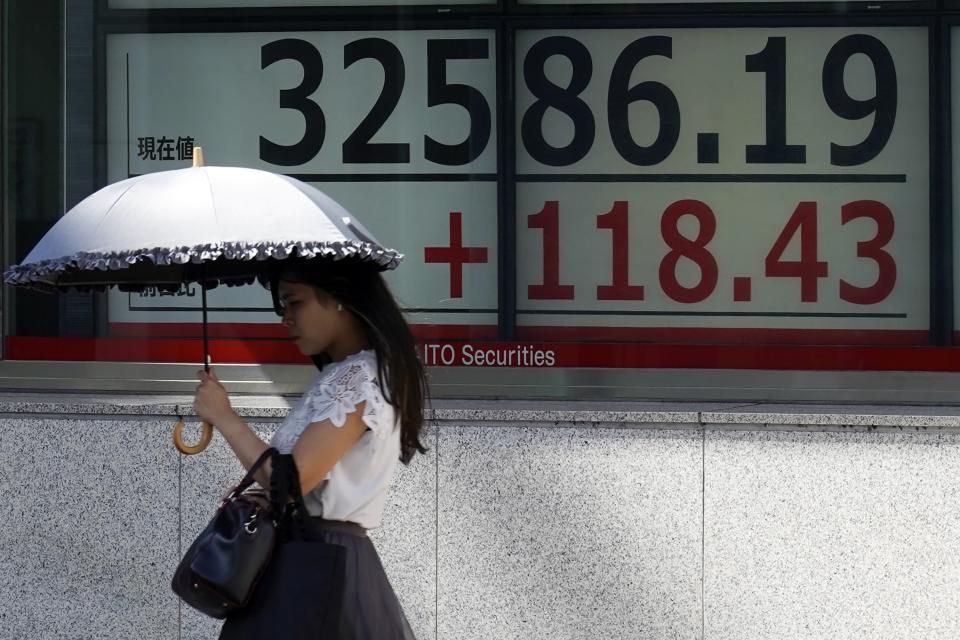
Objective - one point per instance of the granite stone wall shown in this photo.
(570, 523)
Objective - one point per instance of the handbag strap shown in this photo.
(248, 479)
(286, 497)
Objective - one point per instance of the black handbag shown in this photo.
(221, 569)
(300, 596)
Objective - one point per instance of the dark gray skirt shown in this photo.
(313, 608)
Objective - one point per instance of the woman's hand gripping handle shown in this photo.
(212, 404)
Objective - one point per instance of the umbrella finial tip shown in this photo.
(198, 156)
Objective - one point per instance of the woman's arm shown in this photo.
(318, 449)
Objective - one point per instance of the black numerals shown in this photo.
(883, 105)
(357, 147)
(439, 91)
(558, 128)
(566, 100)
(297, 98)
(772, 61)
(620, 96)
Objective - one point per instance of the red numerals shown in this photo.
(549, 220)
(683, 247)
(616, 221)
(872, 249)
(807, 268)
(799, 232)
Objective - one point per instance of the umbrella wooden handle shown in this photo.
(186, 449)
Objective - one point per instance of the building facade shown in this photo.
(683, 275)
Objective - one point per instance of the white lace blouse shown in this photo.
(356, 487)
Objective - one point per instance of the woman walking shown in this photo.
(363, 413)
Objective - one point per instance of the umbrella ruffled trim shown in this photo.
(45, 272)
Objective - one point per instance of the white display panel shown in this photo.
(399, 127)
(233, 4)
(772, 178)
(669, 2)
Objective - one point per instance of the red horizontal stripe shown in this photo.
(727, 336)
(606, 355)
(565, 333)
(152, 350)
(454, 331)
(279, 332)
(195, 330)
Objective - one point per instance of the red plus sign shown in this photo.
(455, 255)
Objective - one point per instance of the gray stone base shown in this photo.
(574, 523)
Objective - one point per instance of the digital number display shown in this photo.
(728, 179)
(676, 183)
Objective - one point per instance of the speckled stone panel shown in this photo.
(569, 533)
(89, 529)
(407, 538)
(405, 541)
(831, 535)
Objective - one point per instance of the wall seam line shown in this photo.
(179, 539)
(436, 537)
(703, 525)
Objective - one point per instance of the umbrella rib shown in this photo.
(106, 214)
(213, 199)
(338, 224)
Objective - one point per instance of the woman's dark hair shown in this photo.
(360, 288)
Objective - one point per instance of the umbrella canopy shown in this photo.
(158, 229)
(203, 224)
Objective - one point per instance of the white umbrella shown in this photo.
(209, 225)
(161, 228)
